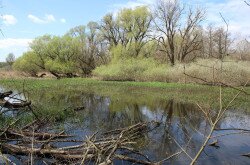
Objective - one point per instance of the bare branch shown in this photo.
(247, 3)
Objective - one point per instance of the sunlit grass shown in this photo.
(182, 92)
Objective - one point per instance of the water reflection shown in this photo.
(182, 124)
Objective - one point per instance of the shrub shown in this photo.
(135, 69)
(132, 69)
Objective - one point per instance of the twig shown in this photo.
(8, 127)
(231, 129)
(218, 118)
(247, 154)
(247, 3)
(233, 133)
(169, 157)
(217, 83)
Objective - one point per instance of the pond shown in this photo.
(182, 125)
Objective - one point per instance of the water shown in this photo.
(182, 125)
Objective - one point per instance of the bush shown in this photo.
(133, 69)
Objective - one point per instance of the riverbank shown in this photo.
(193, 93)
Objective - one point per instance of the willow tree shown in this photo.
(130, 29)
(90, 52)
(27, 63)
(55, 54)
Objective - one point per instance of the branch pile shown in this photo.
(99, 148)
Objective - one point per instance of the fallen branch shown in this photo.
(247, 155)
(5, 94)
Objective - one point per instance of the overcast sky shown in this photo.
(23, 20)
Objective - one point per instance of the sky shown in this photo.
(23, 20)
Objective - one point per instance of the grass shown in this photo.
(54, 99)
(128, 90)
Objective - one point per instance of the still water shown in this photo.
(182, 125)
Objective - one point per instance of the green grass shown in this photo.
(55, 99)
(192, 93)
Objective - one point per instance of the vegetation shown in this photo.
(3, 64)
(154, 91)
(10, 59)
(142, 44)
(201, 71)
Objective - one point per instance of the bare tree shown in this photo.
(168, 15)
(176, 38)
(209, 41)
(191, 39)
(243, 50)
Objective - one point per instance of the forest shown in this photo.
(169, 43)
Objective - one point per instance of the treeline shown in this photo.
(139, 41)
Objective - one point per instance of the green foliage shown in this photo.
(54, 54)
(27, 63)
(60, 67)
(133, 69)
(42, 92)
(129, 29)
(124, 52)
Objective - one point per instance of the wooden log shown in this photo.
(39, 136)
(5, 94)
(10, 105)
(22, 150)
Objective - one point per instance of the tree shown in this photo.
(40, 48)
(110, 30)
(130, 29)
(26, 63)
(55, 54)
(90, 51)
(243, 49)
(177, 29)
(208, 41)
(10, 59)
(222, 42)
(135, 25)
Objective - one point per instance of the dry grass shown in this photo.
(11, 74)
(229, 72)
(232, 73)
